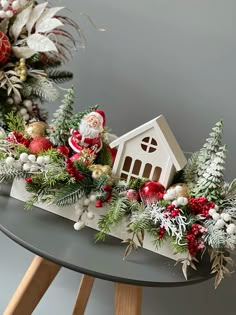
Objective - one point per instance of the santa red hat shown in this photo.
(100, 114)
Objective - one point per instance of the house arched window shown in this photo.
(149, 144)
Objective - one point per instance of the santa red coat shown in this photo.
(77, 142)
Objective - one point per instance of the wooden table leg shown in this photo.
(83, 295)
(36, 281)
(128, 299)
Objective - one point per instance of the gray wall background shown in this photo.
(171, 57)
(175, 58)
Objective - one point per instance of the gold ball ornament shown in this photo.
(36, 129)
(99, 170)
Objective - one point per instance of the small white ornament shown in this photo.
(24, 157)
(216, 216)
(17, 99)
(226, 217)
(26, 116)
(15, 5)
(32, 158)
(216, 207)
(47, 159)
(183, 201)
(90, 215)
(79, 225)
(231, 229)
(34, 168)
(171, 193)
(86, 202)
(212, 211)
(167, 197)
(178, 189)
(40, 160)
(5, 4)
(26, 167)
(220, 224)
(92, 198)
(10, 161)
(28, 104)
(2, 14)
(10, 101)
(9, 13)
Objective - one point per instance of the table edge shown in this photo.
(94, 273)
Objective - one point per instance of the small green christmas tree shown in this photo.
(210, 182)
(60, 127)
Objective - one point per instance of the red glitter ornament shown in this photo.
(40, 144)
(152, 191)
(5, 48)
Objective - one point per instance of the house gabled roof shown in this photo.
(165, 135)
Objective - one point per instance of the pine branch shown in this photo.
(60, 76)
(9, 173)
(15, 122)
(40, 88)
(190, 170)
(117, 209)
(69, 194)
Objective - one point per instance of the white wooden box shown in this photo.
(19, 192)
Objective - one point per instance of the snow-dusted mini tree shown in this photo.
(60, 129)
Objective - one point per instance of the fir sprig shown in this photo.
(60, 76)
(117, 210)
(15, 122)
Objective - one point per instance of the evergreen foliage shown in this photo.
(40, 88)
(190, 169)
(60, 131)
(59, 76)
(211, 146)
(9, 173)
(15, 122)
(104, 156)
(117, 210)
(209, 184)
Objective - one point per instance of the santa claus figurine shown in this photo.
(89, 133)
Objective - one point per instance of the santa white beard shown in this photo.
(87, 131)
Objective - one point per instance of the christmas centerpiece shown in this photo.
(34, 42)
(138, 187)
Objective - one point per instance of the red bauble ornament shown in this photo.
(40, 144)
(132, 194)
(5, 48)
(151, 192)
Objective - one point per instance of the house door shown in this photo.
(134, 168)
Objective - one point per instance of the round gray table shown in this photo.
(56, 243)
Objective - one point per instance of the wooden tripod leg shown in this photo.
(36, 281)
(83, 295)
(128, 299)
